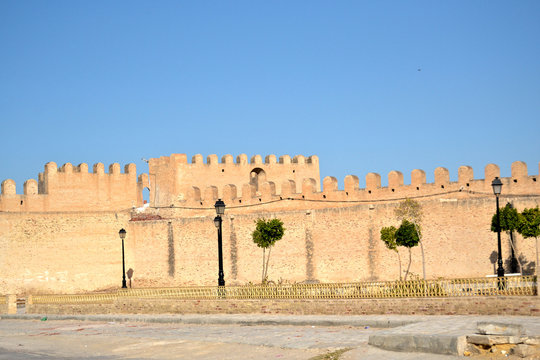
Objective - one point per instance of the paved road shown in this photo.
(75, 339)
(234, 337)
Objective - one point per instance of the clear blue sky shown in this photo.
(116, 81)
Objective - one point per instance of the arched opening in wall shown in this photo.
(257, 177)
(146, 195)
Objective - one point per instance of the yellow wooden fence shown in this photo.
(472, 287)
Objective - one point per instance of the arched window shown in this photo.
(257, 177)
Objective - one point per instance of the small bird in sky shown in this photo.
(419, 69)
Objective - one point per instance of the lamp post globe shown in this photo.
(220, 207)
(497, 184)
(122, 234)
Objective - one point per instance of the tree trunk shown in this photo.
(409, 266)
(422, 249)
(537, 272)
(515, 259)
(267, 261)
(423, 260)
(262, 280)
(399, 261)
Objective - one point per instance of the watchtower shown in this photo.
(172, 177)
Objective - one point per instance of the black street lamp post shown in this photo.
(122, 234)
(220, 210)
(497, 186)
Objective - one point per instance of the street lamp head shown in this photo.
(497, 186)
(217, 220)
(220, 207)
(122, 234)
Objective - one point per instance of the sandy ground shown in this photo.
(74, 339)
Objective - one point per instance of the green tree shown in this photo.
(529, 226)
(388, 236)
(509, 218)
(266, 233)
(411, 210)
(408, 236)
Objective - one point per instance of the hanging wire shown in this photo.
(346, 201)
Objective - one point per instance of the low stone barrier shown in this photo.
(4, 304)
(500, 305)
(478, 296)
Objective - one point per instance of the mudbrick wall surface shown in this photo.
(413, 306)
(60, 252)
(339, 244)
(76, 252)
(331, 235)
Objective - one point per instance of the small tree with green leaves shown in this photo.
(266, 234)
(388, 236)
(509, 218)
(408, 236)
(529, 226)
(411, 210)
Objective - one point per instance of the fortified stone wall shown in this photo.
(173, 179)
(76, 252)
(62, 252)
(339, 244)
(520, 183)
(71, 188)
(331, 235)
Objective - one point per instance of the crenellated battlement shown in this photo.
(173, 179)
(241, 159)
(55, 179)
(98, 168)
(74, 188)
(519, 183)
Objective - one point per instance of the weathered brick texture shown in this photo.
(61, 236)
(415, 306)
